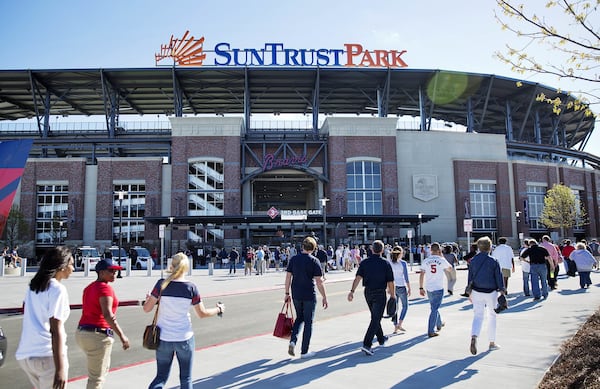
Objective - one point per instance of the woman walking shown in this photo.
(400, 269)
(176, 296)
(487, 281)
(42, 350)
(98, 323)
(584, 262)
(450, 275)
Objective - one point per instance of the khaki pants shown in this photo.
(97, 347)
(40, 370)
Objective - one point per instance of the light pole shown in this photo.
(121, 195)
(324, 208)
(60, 226)
(517, 217)
(420, 215)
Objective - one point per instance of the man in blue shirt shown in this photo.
(376, 275)
(303, 272)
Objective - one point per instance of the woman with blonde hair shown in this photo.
(176, 295)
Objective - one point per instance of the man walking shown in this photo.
(504, 254)
(303, 272)
(555, 260)
(539, 257)
(376, 275)
(432, 271)
(233, 260)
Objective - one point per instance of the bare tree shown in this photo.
(568, 30)
(17, 229)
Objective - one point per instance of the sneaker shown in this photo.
(366, 350)
(440, 328)
(433, 334)
(291, 349)
(385, 339)
(309, 354)
(473, 345)
(494, 346)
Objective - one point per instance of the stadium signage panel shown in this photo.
(276, 54)
(189, 51)
(270, 162)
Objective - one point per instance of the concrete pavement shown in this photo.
(529, 333)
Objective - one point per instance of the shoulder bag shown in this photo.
(285, 322)
(152, 331)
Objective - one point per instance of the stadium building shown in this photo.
(391, 153)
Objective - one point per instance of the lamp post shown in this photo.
(121, 195)
(420, 215)
(324, 208)
(60, 226)
(517, 217)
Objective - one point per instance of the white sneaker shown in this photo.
(291, 348)
(367, 351)
(309, 354)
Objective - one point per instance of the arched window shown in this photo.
(363, 178)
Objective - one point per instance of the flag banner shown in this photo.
(13, 156)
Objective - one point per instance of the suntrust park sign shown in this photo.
(189, 51)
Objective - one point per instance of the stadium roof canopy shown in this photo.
(482, 103)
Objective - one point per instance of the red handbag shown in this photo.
(284, 323)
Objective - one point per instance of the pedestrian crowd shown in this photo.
(380, 269)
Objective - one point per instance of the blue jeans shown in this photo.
(584, 279)
(164, 358)
(305, 312)
(231, 267)
(376, 300)
(539, 273)
(401, 296)
(526, 283)
(435, 301)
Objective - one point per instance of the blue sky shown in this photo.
(460, 35)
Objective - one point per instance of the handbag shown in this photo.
(285, 322)
(151, 338)
(469, 287)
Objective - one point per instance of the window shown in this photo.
(364, 187)
(483, 205)
(535, 205)
(52, 213)
(206, 194)
(128, 214)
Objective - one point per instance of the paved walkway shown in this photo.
(530, 333)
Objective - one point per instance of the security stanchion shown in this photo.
(211, 267)
(149, 265)
(2, 267)
(86, 267)
(23, 266)
(128, 264)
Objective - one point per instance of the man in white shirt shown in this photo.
(505, 257)
(432, 271)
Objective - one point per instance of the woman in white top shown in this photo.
(42, 350)
(176, 296)
(400, 269)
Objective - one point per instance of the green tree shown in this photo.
(16, 229)
(562, 209)
(567, 29)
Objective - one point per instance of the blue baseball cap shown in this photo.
(107, 264)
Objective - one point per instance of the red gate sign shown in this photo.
(273, 212)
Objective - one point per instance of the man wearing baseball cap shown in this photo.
(98, 323)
